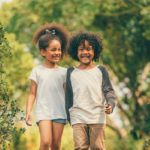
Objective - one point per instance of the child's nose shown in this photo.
(85, 50)
(57, 51)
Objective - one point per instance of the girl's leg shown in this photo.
(45, 128)
(57, 130)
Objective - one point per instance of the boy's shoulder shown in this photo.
(69, 71)
(100, 67)
(70, 68)
(103, 69)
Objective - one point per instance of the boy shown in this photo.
(86, 86)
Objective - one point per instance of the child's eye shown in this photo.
(59, 49)
(85, 48)
(81, 48)
(55, 49)
(89, 48)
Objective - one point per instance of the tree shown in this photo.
(9, 112)
(125, 26)
(35, 13)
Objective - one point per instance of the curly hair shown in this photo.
(48, 32)
(94, 40)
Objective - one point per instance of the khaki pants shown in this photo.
(88, 135)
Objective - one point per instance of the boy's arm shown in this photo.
(68, 93)
(108, 90)
(30, 102)
(68, 101)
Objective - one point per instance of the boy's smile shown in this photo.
(85, 53)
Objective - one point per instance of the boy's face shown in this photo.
(53, 53)
(85, 53)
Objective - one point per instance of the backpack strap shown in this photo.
(107, 88)
(68, 93)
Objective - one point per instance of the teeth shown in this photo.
(85, 56)
(56, 56)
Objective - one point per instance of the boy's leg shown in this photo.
(45, 128)
(81, 136)
(57, 130)
(97, 136)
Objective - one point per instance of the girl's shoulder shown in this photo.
(62, 68)
(37, 68)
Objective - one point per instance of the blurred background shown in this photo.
(125, 28)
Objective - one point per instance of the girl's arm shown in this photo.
(30, 102)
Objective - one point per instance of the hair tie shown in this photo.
(52, 32)
(47, 31)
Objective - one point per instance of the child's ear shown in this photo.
(42, 52)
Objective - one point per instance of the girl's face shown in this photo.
(85, 53)
(53, 53)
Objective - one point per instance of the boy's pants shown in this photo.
(88, 135)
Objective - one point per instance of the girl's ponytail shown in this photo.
(48, 32)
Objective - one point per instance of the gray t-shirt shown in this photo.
(88, 101)
(50, 97)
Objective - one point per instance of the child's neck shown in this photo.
(84, 66)
(50, 65)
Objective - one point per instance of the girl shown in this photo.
(46, 87)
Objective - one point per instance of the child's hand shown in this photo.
(28, 119)
(108, 109)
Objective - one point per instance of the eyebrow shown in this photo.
(85, 46)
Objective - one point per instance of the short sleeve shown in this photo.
(33, 75)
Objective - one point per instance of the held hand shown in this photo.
(108, 109)
(28, 120)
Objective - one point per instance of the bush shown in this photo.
(9, 112)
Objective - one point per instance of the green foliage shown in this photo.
(9, 112)
(34, 13)
(114, 142)
(18, 143)
(18, 67)
(67, 138)
(147, 144)
(125, 27)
